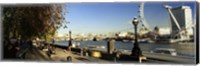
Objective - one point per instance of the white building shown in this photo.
(164, 31)
(123, 34)
(183, 15)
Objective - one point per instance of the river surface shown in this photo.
(182, 49)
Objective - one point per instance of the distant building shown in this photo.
(183, 15)
(164, 31)
(161, 31)
(143, 30)
(123, 34)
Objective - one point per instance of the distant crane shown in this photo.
(182, 32)
(172, 15)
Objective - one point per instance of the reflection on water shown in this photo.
(186, 49)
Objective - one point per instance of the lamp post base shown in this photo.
(136, 52)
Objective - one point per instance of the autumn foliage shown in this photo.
(32, 21)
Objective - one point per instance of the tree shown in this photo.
(156, 29)
(32, 21)
(156, 32)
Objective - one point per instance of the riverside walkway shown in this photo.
(35, 54)
(60, 55)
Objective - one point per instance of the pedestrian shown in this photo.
(69, 59)
(30, 43)
(11, 49)
(53, 41)
(22, 51)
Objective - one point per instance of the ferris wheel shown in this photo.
(141, 16)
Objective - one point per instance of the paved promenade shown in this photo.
(36, 54)
(60, 55)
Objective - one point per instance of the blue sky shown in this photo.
(115, 17)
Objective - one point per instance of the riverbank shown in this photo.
(61, 55)
(36, 53)
(155, 57)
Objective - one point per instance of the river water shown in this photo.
(183, 49)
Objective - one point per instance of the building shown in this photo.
(143, 30)
(164, 31)
(123, 34)
(183, 15)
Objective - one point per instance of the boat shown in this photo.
(151, 41)
(75, 44)
(170, 51)
(140, 41)
(171, 40)
(143, 40)
(96, 46)
(126, 41)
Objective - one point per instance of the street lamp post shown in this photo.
(70, 41)
(136, 49)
